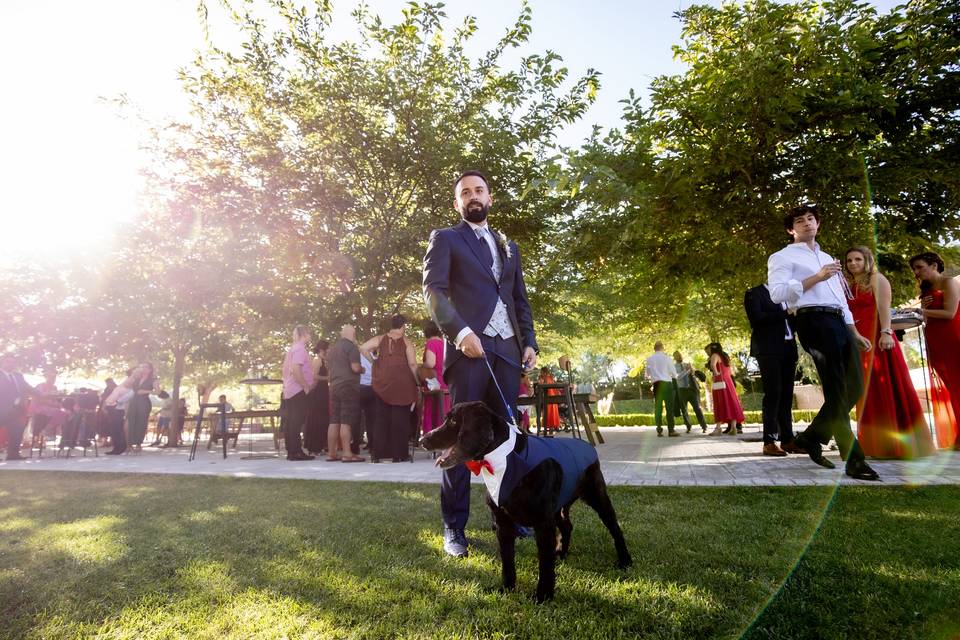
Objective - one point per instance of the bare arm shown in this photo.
(951, 296)
(882, 288)
(714, 359)
(412, 360)
(430, 359)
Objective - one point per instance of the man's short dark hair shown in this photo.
(470, 172)
(798, 212)
(397, 321)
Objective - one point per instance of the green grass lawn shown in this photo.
(139, 556)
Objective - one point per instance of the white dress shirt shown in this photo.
(789, 267)
(659, 367)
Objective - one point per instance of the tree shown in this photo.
(779, 104)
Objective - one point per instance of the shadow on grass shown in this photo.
(174, 556)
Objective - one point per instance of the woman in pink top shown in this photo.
(297, 383)
(433, 353)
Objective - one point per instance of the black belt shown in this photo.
(833, 311)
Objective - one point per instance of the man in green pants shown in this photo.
(659, 369)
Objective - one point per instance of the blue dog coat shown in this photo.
(509, 467)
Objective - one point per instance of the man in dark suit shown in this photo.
(14, 392)
(773, 343)
(474, 289)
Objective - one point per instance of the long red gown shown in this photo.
(552, 421)
(726, 403)
(943, 351)
(890, 421)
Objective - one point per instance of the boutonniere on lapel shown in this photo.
(504, 243)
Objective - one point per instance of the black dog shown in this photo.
(530, 481)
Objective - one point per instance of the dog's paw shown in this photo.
(542, 598)
(624, 562)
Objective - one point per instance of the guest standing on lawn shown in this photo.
(297, 383)
(806, 278)
(688, 392)
(139, 407)
(14, 394)
(318, 402)
(344, 363)
(659, 370)
(890, 421)
(939, 295)
(433, 352)
(726, 403)
(773, 343)
(474, 290)
(395, 384)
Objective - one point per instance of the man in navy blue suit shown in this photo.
(474, 289)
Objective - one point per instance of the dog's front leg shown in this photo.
(547, 555)
(506, 540)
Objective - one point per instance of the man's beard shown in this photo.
(474, 214)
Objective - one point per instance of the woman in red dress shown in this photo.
(726, 403)
(552, 421)
(939, 296)
(890, 422)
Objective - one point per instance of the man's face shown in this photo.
(677, 356)
(472, 199)
(805, 227)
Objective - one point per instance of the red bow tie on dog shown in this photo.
(476, 465)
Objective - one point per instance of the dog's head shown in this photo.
(466, 434)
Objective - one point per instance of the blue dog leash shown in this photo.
(506, 404)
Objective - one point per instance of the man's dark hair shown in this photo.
(797, 212)
(467, 173)
(321, 345)
(397, 321)
(163, 395)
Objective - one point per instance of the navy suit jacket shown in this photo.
(461, 291)
(767, 324)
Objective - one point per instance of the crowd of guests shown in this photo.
(350, 396)
(117, 416)
(809, 298)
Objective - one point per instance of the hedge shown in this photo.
(648, 420)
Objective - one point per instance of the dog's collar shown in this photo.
(497, 460)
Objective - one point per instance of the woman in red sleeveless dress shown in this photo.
(726, 404)
(890, 421)
(939, 296)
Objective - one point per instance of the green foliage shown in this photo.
(780, 103)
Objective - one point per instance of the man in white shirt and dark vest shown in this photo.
(810, 281)
(659, 369)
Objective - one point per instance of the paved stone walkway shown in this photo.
(631, 456)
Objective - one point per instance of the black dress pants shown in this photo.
(777, 374)
(828, 341)
(115, 428)
(296, 409)
(367, 422)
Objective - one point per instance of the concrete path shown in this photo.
(631, 456)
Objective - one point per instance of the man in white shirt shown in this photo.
(809, 280)
(659, 369)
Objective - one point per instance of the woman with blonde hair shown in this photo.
(890, 422)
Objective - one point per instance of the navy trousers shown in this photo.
(469, 380)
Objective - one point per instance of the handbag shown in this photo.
(719, 385)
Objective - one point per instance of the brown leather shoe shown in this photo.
(771, 449)
(793, 447)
